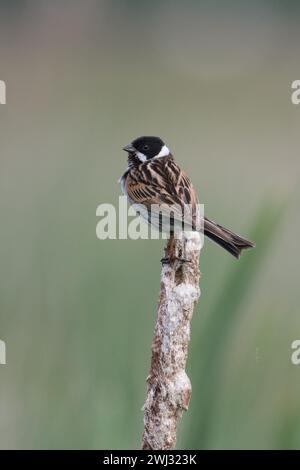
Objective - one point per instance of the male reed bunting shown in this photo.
(154, 180)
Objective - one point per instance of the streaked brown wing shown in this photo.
(181, 183)
(161, 181)
(141, 192)
(186, 194)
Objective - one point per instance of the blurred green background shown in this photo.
(77, 314)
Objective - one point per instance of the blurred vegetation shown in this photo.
(77, 314)
(221, 321)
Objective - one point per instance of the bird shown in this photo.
(154, 179)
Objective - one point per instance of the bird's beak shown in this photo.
(129, 148)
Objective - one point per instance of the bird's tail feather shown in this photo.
(230, 241)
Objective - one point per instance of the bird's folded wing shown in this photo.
(159, 191)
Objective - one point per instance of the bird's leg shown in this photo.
(181, 255)
(173, 253)
(169, 252)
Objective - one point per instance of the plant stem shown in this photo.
(169, 388)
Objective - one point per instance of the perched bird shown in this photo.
(154, 178)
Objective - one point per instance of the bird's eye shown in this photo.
(146, 147)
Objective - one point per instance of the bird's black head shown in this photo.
(147, 147)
